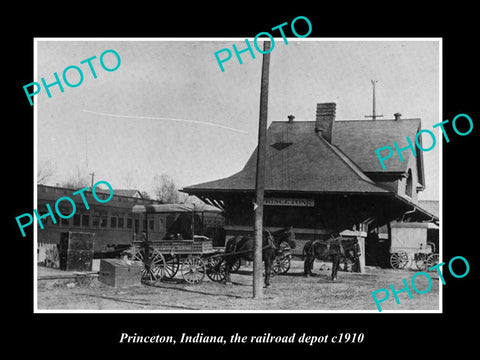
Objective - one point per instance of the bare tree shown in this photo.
(166, 191)
(145, 195)
(76, 181)
(128, 179)
(45, 171)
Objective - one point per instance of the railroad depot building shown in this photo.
(324, 176)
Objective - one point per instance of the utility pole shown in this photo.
(374, 115)
(260, 176)
(93, 175)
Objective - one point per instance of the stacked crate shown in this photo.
(76, 251)
(118, 273)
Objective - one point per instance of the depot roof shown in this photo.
(302, 163)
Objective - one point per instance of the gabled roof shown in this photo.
(127, 192)
(297, 162)
(360, 138)
(121, 192)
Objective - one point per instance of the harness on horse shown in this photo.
(236, 240)
(270, 242)
(328, 243)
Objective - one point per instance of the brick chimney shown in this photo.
(325, 119)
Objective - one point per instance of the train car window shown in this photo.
(129, 223)
(65, 211)
(113, 220)
(137, 225)
(150, 224)
(76, 219)
(121, 222)
(160, 224)
(96, 219)
(85, 220)
(44, 220)
(103, 220)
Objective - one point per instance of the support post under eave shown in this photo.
(361, 258)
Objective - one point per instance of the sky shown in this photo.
(125, 125)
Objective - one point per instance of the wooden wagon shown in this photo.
(161, 259)
(409, 247)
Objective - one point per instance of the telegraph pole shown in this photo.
(93, 175)
(374, 115)
(260, 176)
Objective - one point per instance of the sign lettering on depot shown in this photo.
(288, 202)
(225, 54)
(73, 75)
(63, 199)
(406, 288)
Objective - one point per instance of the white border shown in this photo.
(66, 311)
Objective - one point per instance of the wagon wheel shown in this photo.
(421, 264)
(172, 263)
(153, 265)
(432, 260)
(281, 265)
(399, 260)
(193, 269)
(236, 265)
(215, 268)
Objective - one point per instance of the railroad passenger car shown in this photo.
(112, 222)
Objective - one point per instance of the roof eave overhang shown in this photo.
(398, 173)
(426, 216)
(307, 192)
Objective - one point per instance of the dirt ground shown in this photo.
(292, 291)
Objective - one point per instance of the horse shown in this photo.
(336, 248)
(242, 247)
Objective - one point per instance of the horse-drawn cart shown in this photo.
(196, 257)
(411, 249)
(161, 259)
(422, 258)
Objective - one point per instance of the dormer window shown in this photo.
(281, 145)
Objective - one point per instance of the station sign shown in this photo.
(288, 202)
